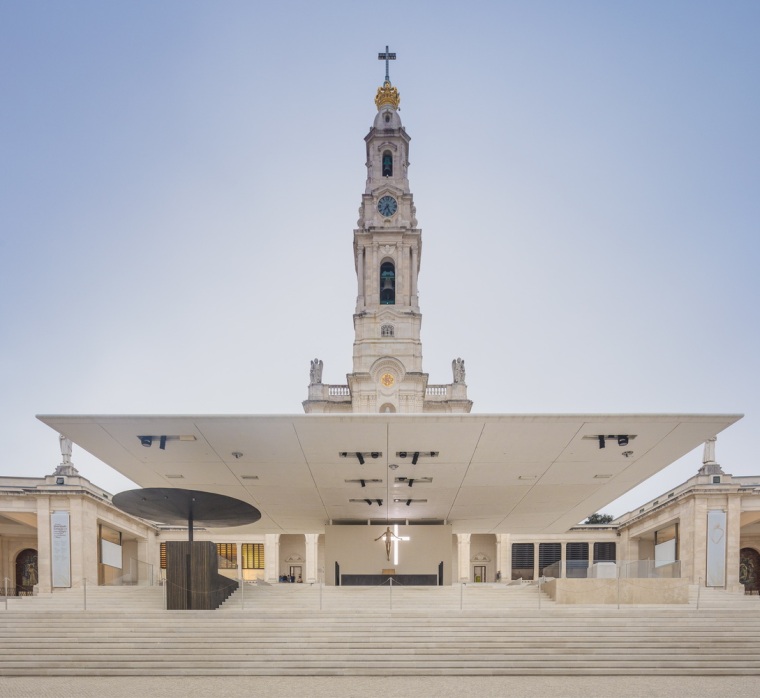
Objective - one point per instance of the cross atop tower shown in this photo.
(386, 57)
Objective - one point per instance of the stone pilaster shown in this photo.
(272, 557)
(44, 552)
(503, 556)
(463, 546)
(733, 525)
(312, 555)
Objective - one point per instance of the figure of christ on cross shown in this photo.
(388, 536)
(391, 538)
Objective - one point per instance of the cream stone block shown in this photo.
(613, 591)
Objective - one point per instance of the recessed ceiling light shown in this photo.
(527, 477)
(249, 477)
(173, 476)
(602, 476)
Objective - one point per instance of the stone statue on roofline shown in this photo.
(315, 373)
(66, 467)
(709, 464)
(457, 367)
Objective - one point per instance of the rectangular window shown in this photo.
(109, 534)
(227, 553)
(252, 556)
(522, 560)
(605, 552)
(577, 560)
(163, 556)
(548, 555)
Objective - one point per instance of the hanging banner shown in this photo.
(716, 548)
(61, 548)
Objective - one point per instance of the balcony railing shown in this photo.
(625, 569)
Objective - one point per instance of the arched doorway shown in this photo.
(26, 572)
(749, 570)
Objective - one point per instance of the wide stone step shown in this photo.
(126, 632)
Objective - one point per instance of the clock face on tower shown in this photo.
(387, 206)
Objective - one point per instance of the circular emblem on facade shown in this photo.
(387, 379)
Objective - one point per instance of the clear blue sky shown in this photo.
(181, 180)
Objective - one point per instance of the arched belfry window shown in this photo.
(387, 164)
(387, 284)
(387, 331)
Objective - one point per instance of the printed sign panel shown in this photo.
(61, 544)
(716, 548)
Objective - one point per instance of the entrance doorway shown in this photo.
(749, 570)
(480, 573)
(26, 572)
(295, 573)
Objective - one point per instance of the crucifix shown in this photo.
(386, 57)
(391, 540)
(397, 539)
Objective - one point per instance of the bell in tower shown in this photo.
(387, 284)
(387, 164)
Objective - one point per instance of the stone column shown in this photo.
(272, 557)
(699, 541)
(535, 560)
(360, 274)
(463, 547)
(688, 530)
(374, 278)
(76, 541)
(398, 254)
(563, 562)
(733, 542)
(84, 542)
(44, 552)
(503, 556)
(90, 541)
(312, 553)
(5, 562)
(413, 277)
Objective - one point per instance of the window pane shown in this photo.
(252, 556)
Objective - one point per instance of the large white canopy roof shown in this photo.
(492, 473)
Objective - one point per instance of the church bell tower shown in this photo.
(387, 357)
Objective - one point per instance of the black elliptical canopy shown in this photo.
(167, 505)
